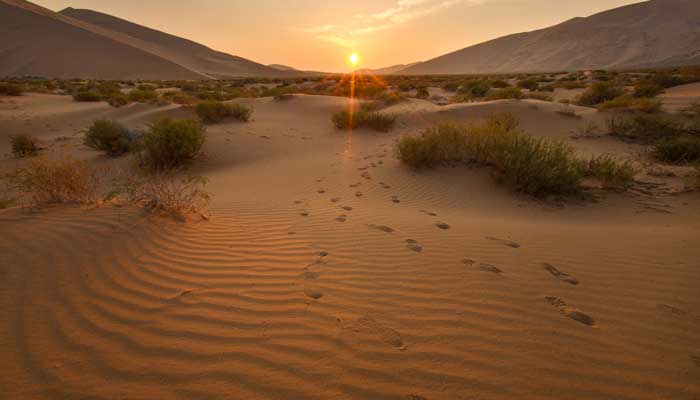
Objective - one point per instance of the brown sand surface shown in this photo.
(330, 271)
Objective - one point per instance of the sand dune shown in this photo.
(35, 41)
(347, 276)
(656, 33)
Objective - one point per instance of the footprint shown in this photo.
(432, 214)
(366, 175)
(395, 199)
(415, 397)
(382, 228)
(696, 359)
(310, 288)
(504, 242)
(574, 314)
(342, 218)
(335, 199)
(358, 194)
(304, 214)
(413, 245)
(468, 262)
(490, 268)
(354, 185)
(386, 334)
(682, 314)
(562, 276)
(320, 191)
(442, 225)
(347, 208)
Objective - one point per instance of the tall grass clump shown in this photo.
(110, 137)
(681, 149)
(46, 181)
(382, 122)
(632, 104)
(24, 145)
(10, 89)
(86, 96)
(610, 171)
(505, 93)
(598, 93)
(534, 166)
(216, 111)
(169, 143)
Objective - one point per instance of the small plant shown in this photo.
(422, 93)
(631, 104)
(110, 137)
(165, 192)
(142, 95)
(10, 89)
(598, 93)
(382, 122)
(529, 84)
(24, 145)
(86, 96)
(644, 128)
(46, 181)
(170, 143)
(506, 93)
(216, 111)
(647, 89)
(610, 171)
(117, 100)
(678, 149)
(284, 97)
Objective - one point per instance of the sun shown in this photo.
(354, 58)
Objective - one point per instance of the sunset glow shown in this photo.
(354, 59)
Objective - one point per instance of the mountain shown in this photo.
(388, 70)
(656, 33)
(281, 67)
(86, 44)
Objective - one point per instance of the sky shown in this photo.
(320, 35)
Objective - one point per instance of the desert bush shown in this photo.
(284, 96)
(215, 111)
(474, 89)
(382, 122)
(10, 89)
(679, 149)
(118, 100)
(644, 128)
(422, 93)
(46, 181)
(529, 84)
(666, 80)
(110, 137)
(506, 93)
(534, 166)
(499, 84)
(24, 145)
(169, 143)
(598, 93)
(539, 96)
(142, 96)
(610, 171)
(629, 103)
(647, 89)
(86, 96)
(164, 192)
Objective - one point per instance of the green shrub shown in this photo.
(644, 128)
(382, 122)
(679, 149)
(647, 89)
(142, 96)
(598, 93)
(422, 93)
(610, 171)
(499, 84)
(170, 142)
(118, 100)
(86, 96)
(216, 111)
(666, 80)
(529, 84)
(534, 166)
(10, 89)
(474, 89)
(506, 93)
(110, 137)
(629, 103)
(24, 145)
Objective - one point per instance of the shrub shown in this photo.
(109, 137)
(647, 89)
(679, 149)
(86, 96)
(141, 96)
(284, 96)
(529, 84)
(10, 89)
(599, 92)
(539, 96)
(499, 84)
(610, 171)
(629, 103)
(422, 93)
(24, 145)
(118, 100)
(165, 192)
(170, 142)
(644, 128)
(506, 93)
(55, 181)
(382, 122)
(474, 89)
(534, 166)
(216, 111)
(666, 80)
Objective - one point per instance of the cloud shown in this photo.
(402, 12)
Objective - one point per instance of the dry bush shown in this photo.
(164, 192)
(24, 145)
(44, 181)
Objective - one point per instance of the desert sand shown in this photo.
(327, 270)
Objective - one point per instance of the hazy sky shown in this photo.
(320, 34)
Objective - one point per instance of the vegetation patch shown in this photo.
(24, 145)
(10, 89)
(46, 181)
(598, 93)
(169, 143)
(534, 166)
(382, 122)
(110, 137)
(216, 111)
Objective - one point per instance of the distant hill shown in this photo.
(86, 44)
(656, 33)
(388, 70)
